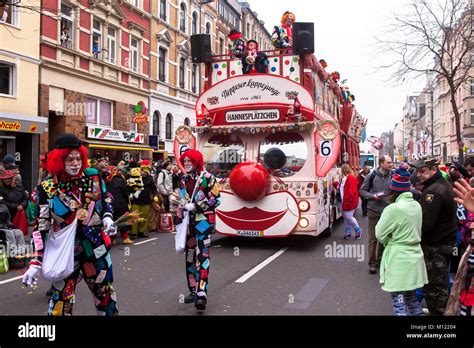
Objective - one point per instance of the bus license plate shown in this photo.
(247, 233)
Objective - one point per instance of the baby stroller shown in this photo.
(12, 240)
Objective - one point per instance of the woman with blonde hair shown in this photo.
(349, 200)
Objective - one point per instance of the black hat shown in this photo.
(234, 31)
(67, 140)
(424, 162)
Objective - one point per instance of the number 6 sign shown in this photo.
(328, 144)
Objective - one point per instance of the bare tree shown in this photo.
(439, 30)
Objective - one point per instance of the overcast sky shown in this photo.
(344, 37)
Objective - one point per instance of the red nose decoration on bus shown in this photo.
(250, 181)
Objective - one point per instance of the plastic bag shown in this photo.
(21, 222)
(3, 263)
(58, 259)
(181, 233)
(166, 222)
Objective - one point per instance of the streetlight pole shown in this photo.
(432, 122)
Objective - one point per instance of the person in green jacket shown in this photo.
(402, 268)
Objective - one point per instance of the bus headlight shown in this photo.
(303, 223)
(304, 206)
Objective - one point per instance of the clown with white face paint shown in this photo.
(201, 191)
(73, 198)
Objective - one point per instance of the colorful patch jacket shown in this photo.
(206, 199)
(60, 201)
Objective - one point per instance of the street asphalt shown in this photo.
(298, 275)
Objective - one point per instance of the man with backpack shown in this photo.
(376, 189)
(165, 184)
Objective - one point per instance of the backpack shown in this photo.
(372, 178)
(371, 181)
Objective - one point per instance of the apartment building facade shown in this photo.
(175, 82)
(20, 124)
(95, 70)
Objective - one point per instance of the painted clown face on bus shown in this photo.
(183, 134)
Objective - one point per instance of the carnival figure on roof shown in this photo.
(237, 48)
(282, 36)
(71, 234)
(253, 60)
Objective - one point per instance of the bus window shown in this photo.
(222, 153)
(284, 152)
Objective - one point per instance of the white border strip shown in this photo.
(10, 280)
(145, 241)
(250, 273)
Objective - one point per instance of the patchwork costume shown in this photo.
(64, 200)
(204, 198)
(201, 226)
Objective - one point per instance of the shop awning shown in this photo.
(12, 122)
(105, 145)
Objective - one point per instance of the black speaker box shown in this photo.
(201, 51)
(303, 37)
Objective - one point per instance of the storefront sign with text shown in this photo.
(115, 135)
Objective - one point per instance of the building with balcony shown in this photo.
(20, 124)
(254, 28)
(175, 82)
(95, 70)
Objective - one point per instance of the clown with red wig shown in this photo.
(201, 190)
(74, 195)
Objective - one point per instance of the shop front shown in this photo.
(19, 136)
(117, 145)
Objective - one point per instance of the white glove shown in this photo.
(110, 228)
(29, 278)
(190, 207)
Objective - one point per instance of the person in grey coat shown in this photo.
(376, 189)
(164, 184)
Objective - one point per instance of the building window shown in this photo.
(111, 45)
(182, 74)
(208, 28)
(163, 10)
(134, 54)
(194, 26)
(182, 17)
(472, 117)
(169, 126)
(162, 64)
(99, 112)
(187, 122)
(221, 46)
(156, 123)
(96, 38)
(10, 13)
(133, 126)
(194, 75)
(7, 79)
(248, 30)
(67, 26)
(472, 87)
(135, 3)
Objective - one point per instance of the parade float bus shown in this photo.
(275, 141)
